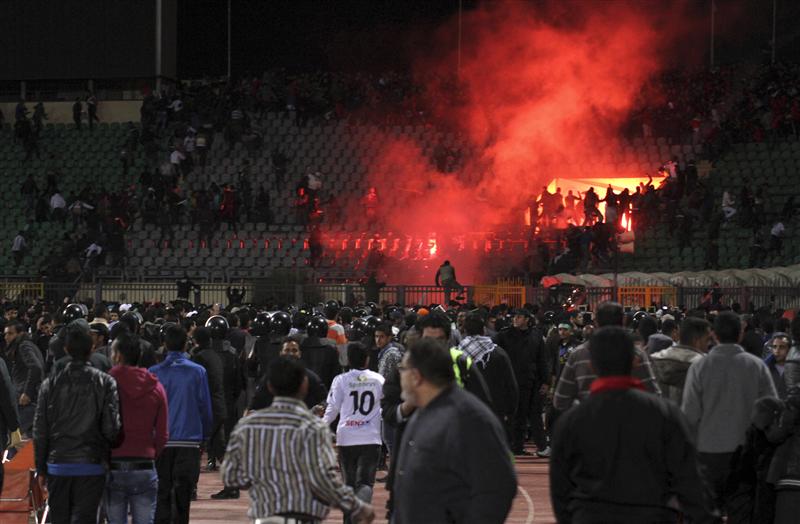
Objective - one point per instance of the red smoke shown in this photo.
(542, 93)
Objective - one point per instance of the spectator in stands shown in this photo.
(577, 376)
(18, 248)
(77, 110)
(58, 206)
(133, 482)
(190, 423)
(727, 205)
(370, 202)
(776, 234)
(446, 278)
(720, 392)
(91, 110)
(39, 116)
(671, 365)
(77, 422)
(778, 345)
(653, 458)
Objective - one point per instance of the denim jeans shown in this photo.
(135, 489)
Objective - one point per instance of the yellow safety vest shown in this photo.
(455, 354)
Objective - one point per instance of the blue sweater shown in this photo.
(186, 384)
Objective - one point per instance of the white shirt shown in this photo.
(176, 157)
(19, 243)
(778, 229)
(355, 397)
(57, 201)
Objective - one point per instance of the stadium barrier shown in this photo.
(512, 293)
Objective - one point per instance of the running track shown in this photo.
(531, 505)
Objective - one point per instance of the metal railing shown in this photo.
(273, 292)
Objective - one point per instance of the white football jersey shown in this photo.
(355, 397)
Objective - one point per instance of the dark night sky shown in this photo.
(378, 34)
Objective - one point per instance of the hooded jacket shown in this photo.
(144, 411)
(784, 471)
(670, 367)
(27, 367)
(496, 368)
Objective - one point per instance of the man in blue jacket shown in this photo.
(190, 422)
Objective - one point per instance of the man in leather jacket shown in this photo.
(77, 421)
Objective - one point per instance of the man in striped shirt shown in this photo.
(284, 456)
(578, 375)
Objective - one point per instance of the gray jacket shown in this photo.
(720, 392)
(670, 367)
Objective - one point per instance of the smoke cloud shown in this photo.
(542, 91)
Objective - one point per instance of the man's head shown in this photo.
(291, 348)
(564, 330)
(286, 377)
(175, 338)
(383, 335)
(521, 319)
(473, 325)
(78, 344)
(99, 334)
(425, 370)
(13, 331)
(670, 328)
(357, 355)
(11, 312)
(126, 349)
(728, 328)
(609, 314)
(100, 311)
(202, 337)
(611, 351)
(695, 333)
(779, 345)
(435, 325)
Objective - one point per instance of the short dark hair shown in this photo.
(202, 336)
(78, 344)
(728, 327)
(432, 359)
(357, 355)
(611, 351)
(668, 326)
(175, 338)
(435, 321)
(127, 345)
(473, 324)
(285, 376)
(17, 325)
(609, 314)
(693, 328)
(100, 310)
(385, 327)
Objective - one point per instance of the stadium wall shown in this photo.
(61, 112)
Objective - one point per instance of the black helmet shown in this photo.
(260, 325)
(360, 312)
(300, 319)
(373, 309)
(639, 315)
(281, 323)
(74, 312)
(217, 326)
(163, 331)
(133, 320)
(387, 312)
(549, 317)
(346, 315)
(331, 309)
(372, 325)
(452, 314)
(359, 324)
(317, 327)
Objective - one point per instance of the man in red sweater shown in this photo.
(133, 481)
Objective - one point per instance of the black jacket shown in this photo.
(619, 456)
(453, 464)
(527, 353)
(27, 367)
(9, 418)
(211, 362)
(321, 358)
(233, 380)
(264, 352)
(317, 393)
(77, 417)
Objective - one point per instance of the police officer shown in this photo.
(55, 349)
(525, 348)
(263, 350)
(318, 353)
(232, 385)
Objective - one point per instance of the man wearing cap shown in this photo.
(99, 332)
(525, 348)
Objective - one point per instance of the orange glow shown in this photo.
(432, 247)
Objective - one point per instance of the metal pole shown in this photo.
(458, 65)
(229, 40)
(158, 46)
(713, 11)
(774, 15)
